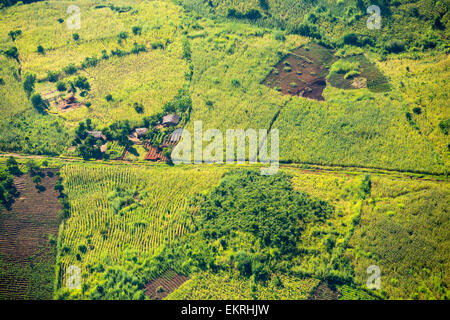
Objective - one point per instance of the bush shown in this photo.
(76, 36)
(351, 39)
(444, 125)
(138, 107)
(70, 69)
(395, 46)
(12, 53)
(136, 30)
(123, 35)
(28, 83)
(82, 83)
(40, 49)
(61, 86)
(14, 34)
(279, 35)
(108, 97)
(38, 102)
(52, 76)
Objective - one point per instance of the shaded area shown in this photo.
(369, 76)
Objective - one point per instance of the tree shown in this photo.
(28, 83)
(12, 53)
(40, 49)
(61, 86)
(38, 102)
(14, 34)
(13, 166)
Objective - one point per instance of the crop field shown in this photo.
(28, 233)
(114, 210)
(91, 115)
(404, 229)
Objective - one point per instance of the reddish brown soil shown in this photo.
(168, 282)
(324, 292)
(25, 228)
(303, 73)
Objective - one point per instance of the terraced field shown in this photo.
(27, 255)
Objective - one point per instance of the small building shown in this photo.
(140, 132)
(172, 139)
(97, 135)
(170, 120)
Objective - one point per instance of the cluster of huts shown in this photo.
(154, 154)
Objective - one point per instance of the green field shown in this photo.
(364, 163)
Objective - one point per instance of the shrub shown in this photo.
(279, 35)
(236, 83)
(12, 53)
(417, 110)
(61, 86)
(28, 83)
(76, 36)
(2, 82)
(82, 83)
(40, 49)
(444, 125)
(344, 67)
(136, 30)
(14, 34)
(38, 102)
(138, 48)
(108, 97)
(138, 107)
(351, 39)
(123, 35)
(157, 45)
(70, 69)
(52, 76)
(395, 46)
(89, 62)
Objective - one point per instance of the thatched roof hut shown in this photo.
(171, 120)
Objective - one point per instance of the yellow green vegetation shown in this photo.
(117, 209)
(404, 230)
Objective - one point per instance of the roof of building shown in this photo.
(154, 155)
(141, 131)
(171, 119)
(96, 134)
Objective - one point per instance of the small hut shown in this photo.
(97, 135)
(170, 120)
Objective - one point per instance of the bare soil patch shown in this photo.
(24, 235)
(168, 282)
(324, 292)
(302, 72)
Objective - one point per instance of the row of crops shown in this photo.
(118, 209)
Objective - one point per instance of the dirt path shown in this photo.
(310, 167)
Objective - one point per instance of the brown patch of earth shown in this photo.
(24, 233)
(324, 292)
(302, 72)
(162, 286)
